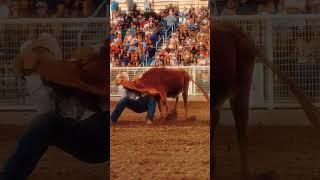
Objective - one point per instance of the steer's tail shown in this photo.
(310, 110)
(202, 90)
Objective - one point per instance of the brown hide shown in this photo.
(169, 82)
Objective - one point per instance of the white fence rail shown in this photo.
(200, 74)
(291, 42)
(71, 34)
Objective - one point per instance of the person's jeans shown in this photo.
(143, 104)
(86, 140)
(149, 61)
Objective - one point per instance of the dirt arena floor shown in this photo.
(282, 153)
(173, 150)
(55, 165)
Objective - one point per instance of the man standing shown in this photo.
(147, 6)
(136, 101)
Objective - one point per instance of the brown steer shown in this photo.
(164, 82)
(235, 56)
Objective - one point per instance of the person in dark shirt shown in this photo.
(52, 5)
(247, 7)
(150, 53)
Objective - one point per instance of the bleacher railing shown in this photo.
(293, 43)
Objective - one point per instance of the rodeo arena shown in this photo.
(165, 45)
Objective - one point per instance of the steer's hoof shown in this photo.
(172, 115)
(149, 122)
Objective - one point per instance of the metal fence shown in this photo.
(200, 74)
(293, 43)
(71, 34)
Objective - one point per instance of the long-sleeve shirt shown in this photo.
(44, 99)
(131, 94)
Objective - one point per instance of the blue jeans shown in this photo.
(143, 104)
(87, 140)
(149, 61)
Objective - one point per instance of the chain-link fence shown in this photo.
(70, 33)
(293, 43)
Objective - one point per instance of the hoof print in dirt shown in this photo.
(192, 119)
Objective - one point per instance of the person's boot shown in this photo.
(113, 122)
(149, 120)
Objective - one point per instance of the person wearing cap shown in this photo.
(42, 9)
(133, 100)
(71, 108)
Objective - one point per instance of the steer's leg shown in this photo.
(240, 112)
(176, 104)
(172, 115)
(240, 109)
(215, 122)
(163, 105)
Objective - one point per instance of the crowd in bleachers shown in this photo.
(190, 43)
(48, 8)
(135, 35)
(266, 7)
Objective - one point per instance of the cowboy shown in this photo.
(72, 109)
(136, 101)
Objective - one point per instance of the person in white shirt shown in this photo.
(135, 101)
(62, 120)
(147, 6)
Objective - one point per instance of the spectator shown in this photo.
(114, 5)
(293, 6)
(4, 14)
(15, 10)
(147, 6)
(171, 20)
(247, 7)
(42, 9)
(267, 7)
(230, 8)
(130, 5)
(314, 6)
(4, 10)
(52, 5)
(25, 7)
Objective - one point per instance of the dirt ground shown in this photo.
(282, 153)
(177, 149)
(55, 165)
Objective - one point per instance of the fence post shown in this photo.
(194, 77)
(269, 54)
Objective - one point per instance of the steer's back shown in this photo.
(168, 80)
